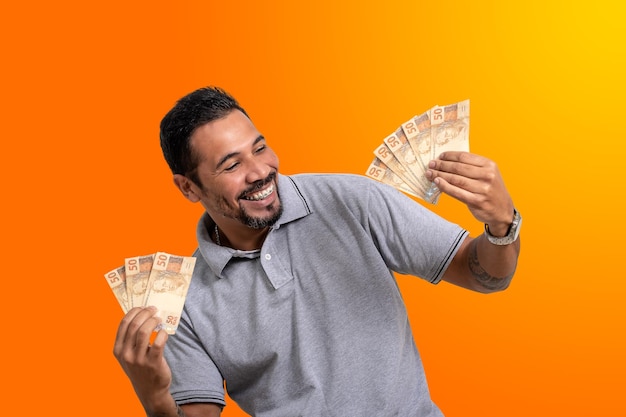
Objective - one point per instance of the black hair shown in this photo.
(190, 112)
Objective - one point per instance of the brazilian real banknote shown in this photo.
(160, 279)
(402, 159)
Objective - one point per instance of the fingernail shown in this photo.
(431, 164)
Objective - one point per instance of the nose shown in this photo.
(258, 170)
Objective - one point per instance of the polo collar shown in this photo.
(295, 207)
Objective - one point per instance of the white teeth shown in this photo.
(261, 195)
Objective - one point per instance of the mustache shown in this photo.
(257, 185)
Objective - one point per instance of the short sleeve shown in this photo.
(195, 378)
(412, 239)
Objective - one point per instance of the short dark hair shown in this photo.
(190, 112)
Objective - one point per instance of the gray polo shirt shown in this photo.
(313, 324)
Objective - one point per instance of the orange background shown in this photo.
(84, 86)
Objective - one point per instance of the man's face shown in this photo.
(237, 171)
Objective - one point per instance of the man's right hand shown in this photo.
(144, 363)
(147, 369)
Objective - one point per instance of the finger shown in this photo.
(144, 333)
(438, 167)
(486, 169)
(462, 190)
(464, 157)
(122, 330)
(158, 344)
(462, 163)
(455, 191)
(474, 185)
(126, 333)
(137, 345)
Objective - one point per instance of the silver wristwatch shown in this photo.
(511, 235)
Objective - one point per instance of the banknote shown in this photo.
(167, 287)
(381, 172)
(403, 156)
(160, 279)
(449, 131)
(137, 274)
(417, 131)
(387, 157)
(450, 128)
(117, 281)
(402, 150)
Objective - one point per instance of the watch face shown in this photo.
(517, 225)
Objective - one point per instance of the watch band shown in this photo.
(511, 235)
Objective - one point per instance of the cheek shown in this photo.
(227, 195)
(272, 159)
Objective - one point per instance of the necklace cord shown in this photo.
(217, 236)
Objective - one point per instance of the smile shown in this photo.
(261, 194)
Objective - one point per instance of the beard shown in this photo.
(274, 211)
(274, 214)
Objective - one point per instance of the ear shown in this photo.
(189, 190)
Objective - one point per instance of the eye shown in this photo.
(231, 167)
(260, 148)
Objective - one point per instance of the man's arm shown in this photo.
(201, 410)
(481, 266)
(476, 181)
(188, 410)
(147, 369)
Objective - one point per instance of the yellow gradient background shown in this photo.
(84, 86)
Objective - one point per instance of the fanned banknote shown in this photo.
(167, 287)
(160, 279)
(381, 172)
(117, 281)
(137, 274)
(449, 131)
(402, 150)
(402, 159)
(384, 154)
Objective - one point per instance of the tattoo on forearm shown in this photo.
(483, 277)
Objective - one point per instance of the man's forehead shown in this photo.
(231, 129)
(219, 140)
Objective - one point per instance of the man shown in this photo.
(293, 304)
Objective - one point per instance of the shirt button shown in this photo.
(268, 256)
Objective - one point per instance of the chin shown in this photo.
(262, 222)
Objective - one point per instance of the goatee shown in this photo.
(275, 212)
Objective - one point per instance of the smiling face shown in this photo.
(237, 173)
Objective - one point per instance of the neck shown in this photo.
(241, 238)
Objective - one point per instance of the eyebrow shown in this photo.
(232, 154)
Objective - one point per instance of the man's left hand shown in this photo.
(475, 181)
